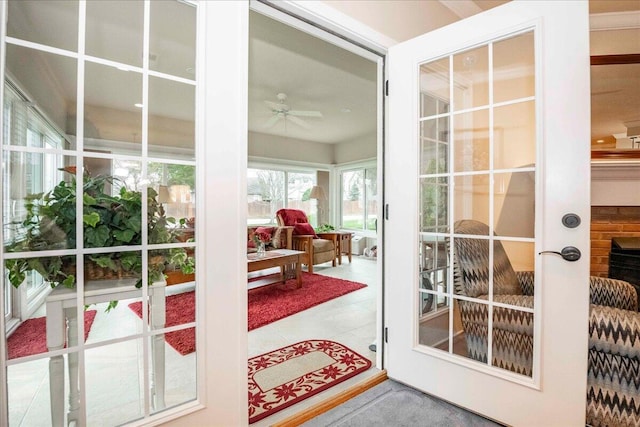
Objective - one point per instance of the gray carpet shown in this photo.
(395, 405)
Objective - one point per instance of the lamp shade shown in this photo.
(317, 193)
(163, 194)
(180, 193)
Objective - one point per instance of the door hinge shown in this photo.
(386, 87)
(386, 335)
(386, 211)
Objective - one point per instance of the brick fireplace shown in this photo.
(608, 222)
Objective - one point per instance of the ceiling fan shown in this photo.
(282, 111)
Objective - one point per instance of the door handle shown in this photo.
(568, 253)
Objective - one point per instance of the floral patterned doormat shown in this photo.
(286, 376)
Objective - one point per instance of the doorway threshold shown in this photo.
(325, 401)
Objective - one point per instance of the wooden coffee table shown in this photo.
(277, 258)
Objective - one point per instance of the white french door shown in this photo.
(487, 151)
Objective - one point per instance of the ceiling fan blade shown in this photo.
(272, 121)
(275, 106)
(305, 113)
(298, 121)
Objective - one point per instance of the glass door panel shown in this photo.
(172, 109)
(173, 52)
(113, 117)
(513, 68)
(476, 180)
(513, 199)
(434, 139)
(99, 210)
(470, 78)
(52, 23)
(471, 143)
(121, 401)
(514, 135)
(101, 23)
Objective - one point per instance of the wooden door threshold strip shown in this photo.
(333, 401)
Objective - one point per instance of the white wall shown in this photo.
(615, 184)
(358, 149)
(276, 147)
(298, 150)
(616, 42)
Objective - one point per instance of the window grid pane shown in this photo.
(487, 180)
(113, 161)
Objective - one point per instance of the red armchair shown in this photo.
(318, 247)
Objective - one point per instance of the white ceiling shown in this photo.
(316, 76)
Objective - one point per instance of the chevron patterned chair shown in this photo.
(613, 390)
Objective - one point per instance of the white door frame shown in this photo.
(223, 335)
(288, 13)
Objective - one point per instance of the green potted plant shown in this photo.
(325, 228)
(107, 221)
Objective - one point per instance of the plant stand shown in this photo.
(62, 308)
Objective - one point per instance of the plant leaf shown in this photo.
(131, 261)
(105, 262)
(88, 200)
(134, 223)
(111, 306)
(92, 219)
(69, 281)
(16, 277)
(124, 236)
(97, 237)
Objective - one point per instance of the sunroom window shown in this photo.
(272, 189)
(359, 202)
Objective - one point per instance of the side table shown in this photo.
(344, 245)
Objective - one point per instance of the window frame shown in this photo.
(286, 169)
(21, 303)
(340, 171)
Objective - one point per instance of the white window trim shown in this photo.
(336, 199)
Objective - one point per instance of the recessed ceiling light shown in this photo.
(600, 141)
(138, 105)
(345, 110)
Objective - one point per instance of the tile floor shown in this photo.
(349, 320)
(109, 402)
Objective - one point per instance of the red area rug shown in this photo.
(284, 377)
(31, 336)
(265, 305)
(274, 302)
(180, 309)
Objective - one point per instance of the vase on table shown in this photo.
(261, 249)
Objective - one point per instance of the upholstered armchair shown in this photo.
(318, 247)
(613, 377)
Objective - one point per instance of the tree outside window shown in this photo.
(269, 190)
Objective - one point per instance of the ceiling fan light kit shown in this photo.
(282, 111)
